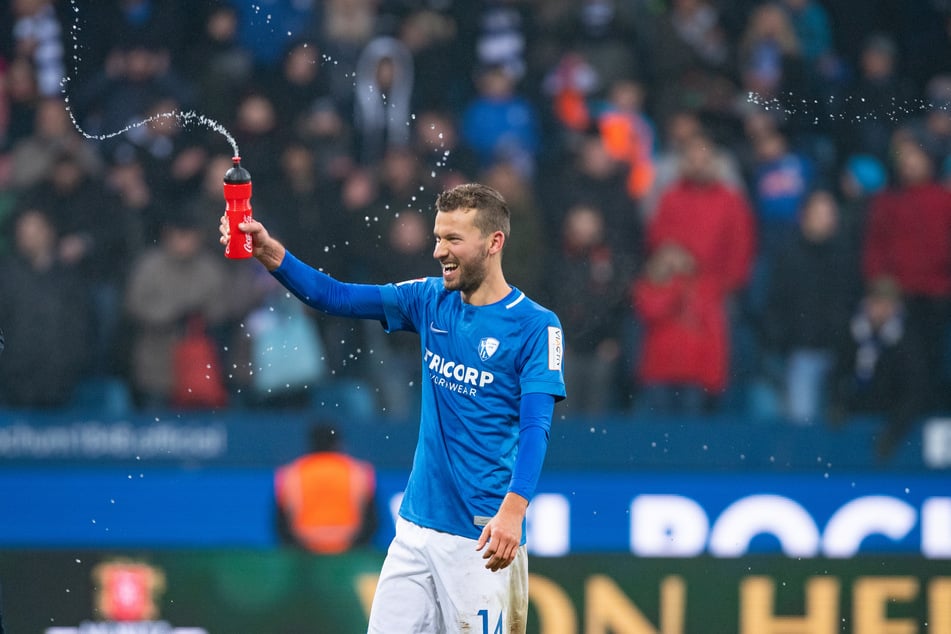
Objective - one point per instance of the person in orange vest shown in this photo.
(326, 498)
(625, 131)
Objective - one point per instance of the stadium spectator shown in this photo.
(18, 101)
(571, 83)
(46, 316)
(678, 128)
(441, 154)
(168, 283)
(383, 89)
(33, 157)
(173, 156)
(932, 129)
(684, 361)
(875, 100)
(430, 37)
(499, 124)
(330, 138)
(711, 221)
(815, 285)
(260, 134)
(811, 23)
(302, 204)
(264, 29)
(379, 197)
(301, 80)
(715, 226)
(605, 33)
(781, 181)
(137, 75)
(498, 33)
(628, 135)
(860, 179)
(133, 197)
(921, 31)
(346, 27)
(589, 297)
(525, 262)
(326, 499)
(217, 65)
(909, 239)
(885, 372)
(38, 35)
(591, 176)
(407, 254)
(401, 182)
(691, 59)
(770, 55)
(358, 200)
(96, 238)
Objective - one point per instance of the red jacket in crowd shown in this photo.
(714, 223)
(909, 238)
(687, 337)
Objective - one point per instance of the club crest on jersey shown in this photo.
(487, 347)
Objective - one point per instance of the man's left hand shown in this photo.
(502, 536)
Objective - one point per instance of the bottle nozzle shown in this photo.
(237, 174)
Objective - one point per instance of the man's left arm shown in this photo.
(503, 533)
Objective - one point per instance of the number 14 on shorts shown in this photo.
(486, 621)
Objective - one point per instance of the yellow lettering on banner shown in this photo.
(673, 605)
(870, 599)
(757, 601)
(556, 612)
(608, 609)
(939, 606)
(366, 588)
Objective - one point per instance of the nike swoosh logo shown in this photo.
(438, 331)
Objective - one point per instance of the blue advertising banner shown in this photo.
(268, 438)
(729, 515)
(724, 515)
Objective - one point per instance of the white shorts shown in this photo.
(437, 582)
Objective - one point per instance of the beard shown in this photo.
(469, 275)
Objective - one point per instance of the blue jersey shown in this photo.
(477, 361)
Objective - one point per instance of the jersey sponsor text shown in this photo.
(456, 376)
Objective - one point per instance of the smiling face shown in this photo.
(472, 225)
(462, 250)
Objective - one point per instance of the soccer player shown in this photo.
(492, 371)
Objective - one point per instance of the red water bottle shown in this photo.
(238, 210)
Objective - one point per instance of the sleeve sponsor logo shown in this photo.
(555, 348)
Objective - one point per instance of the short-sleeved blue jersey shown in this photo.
(477, 361)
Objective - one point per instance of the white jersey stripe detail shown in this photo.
(515, 301)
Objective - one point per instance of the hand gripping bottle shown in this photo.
(238, 209)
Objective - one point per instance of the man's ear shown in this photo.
(496, 242)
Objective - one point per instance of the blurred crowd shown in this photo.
(736, 207)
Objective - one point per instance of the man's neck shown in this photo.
(493, 289)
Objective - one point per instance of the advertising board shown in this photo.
(285, 591)
(669, 515)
